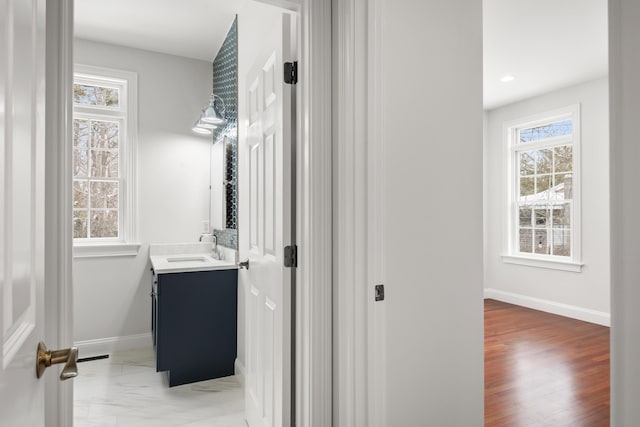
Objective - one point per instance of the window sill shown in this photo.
(543, 263)
(103, 250)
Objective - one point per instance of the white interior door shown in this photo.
(265, 194)
(22, 60)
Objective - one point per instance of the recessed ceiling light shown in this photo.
(508, 78)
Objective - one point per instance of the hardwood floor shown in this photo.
(544, 370)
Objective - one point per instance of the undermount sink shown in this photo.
(187, 259)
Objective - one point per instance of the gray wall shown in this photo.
(624, 36)
(111, 295)
(431, 112)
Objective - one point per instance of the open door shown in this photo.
(266, 199)
(22, 214)
(21, 210)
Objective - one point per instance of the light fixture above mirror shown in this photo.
(214, 112)
(203, 128)
(212, 116)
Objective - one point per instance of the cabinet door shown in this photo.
(196, 325)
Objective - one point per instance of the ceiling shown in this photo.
(189, 28)
(544, 44)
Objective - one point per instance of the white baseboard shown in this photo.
(239, 369)
(102, 346)
(585, 314)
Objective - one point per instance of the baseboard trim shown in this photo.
(572, 311)
(239, 369)
(92, 348)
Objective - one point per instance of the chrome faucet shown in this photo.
(216, 253)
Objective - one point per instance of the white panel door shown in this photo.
(265, 194)
(21, 209)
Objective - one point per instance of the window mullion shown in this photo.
(538, 145)
(550, 229)
(89, 203)
(95, 112)
(532, 221)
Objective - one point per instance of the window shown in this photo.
(104, 135)
(543, 176)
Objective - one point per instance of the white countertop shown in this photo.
(187, 257)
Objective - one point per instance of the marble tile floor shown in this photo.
(126, 391)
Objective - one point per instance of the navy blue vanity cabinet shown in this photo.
(194, 324)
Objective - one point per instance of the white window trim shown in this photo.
(127, 244)
(510, 255)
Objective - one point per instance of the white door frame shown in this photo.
(314, 222)
(314, 215)
(58, 241)
(359, 322)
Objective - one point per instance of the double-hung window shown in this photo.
(544, 189)
(104, 127)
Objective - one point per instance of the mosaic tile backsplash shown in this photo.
(227, 237)
(225, 85)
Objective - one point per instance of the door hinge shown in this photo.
(379, 293)
(291, 72)
(291, 256)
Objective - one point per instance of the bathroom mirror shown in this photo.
(224, 151)
(223, 183)
(230, 183)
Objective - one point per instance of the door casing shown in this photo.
(58, 241)
(313, 195)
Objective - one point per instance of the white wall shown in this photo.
(111, 295)
(431, 112)
(583, 295)
(624, 40)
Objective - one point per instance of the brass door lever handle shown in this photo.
(46, 358)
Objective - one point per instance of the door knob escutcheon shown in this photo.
(46, 358)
